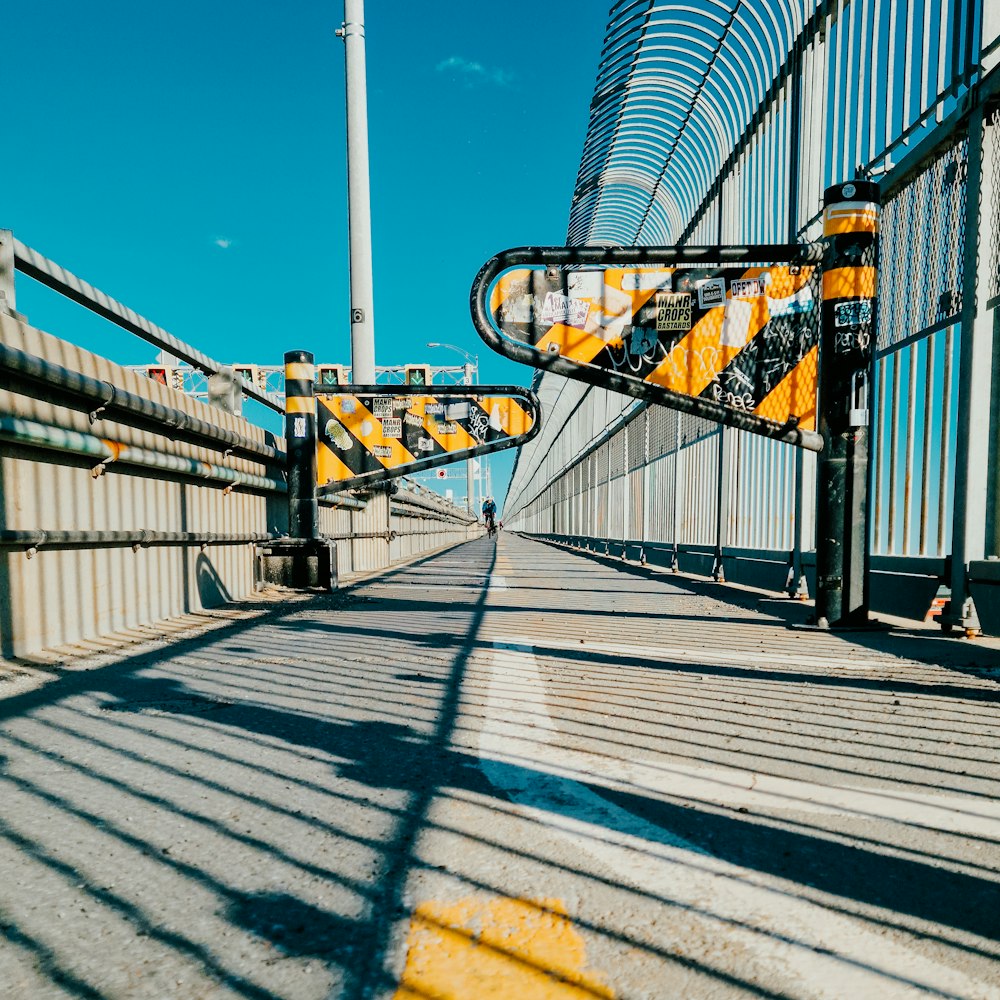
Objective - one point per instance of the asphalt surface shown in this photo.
(506, 771)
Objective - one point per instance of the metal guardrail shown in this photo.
(32, 434)
(33, 540)
(100, 397)
(33, 264)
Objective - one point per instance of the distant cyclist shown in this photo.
(490, 515)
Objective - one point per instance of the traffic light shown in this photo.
(158, 373)
(331, 375)
(248, 373)
(418, 374)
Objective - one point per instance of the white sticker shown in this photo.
(457, 411)
(348, 405)
(447, 428)
(434, 409)
(337, 433)
(673, 311)
(392, 427)
(401, 403)
(425, 444)
(801, 302)
(647, 281)
(711, 293)
(736, 323)
(749, 288)
(858, 312)
(412, 420)
(559, 308)
(518, 304)
(299, 427)
(382, 451)
(366, 428)
(381, 406)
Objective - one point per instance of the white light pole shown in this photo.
(471, 366)
(359, 196)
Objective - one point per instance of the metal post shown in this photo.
(723, 500)
(675, 562)
(359, 195)
(850, 229)
(801, 540)
(469, 468)
(300, 445)
(975, 374)
(8, 301)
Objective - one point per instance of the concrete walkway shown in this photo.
(508, 771)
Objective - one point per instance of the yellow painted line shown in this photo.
(849, 282)
(300, 370)
(497, 948)
(300, 404)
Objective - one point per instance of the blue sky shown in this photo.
(188, 159)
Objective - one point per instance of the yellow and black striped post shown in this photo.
(300, 445)
(850, 261)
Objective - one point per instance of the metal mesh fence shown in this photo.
(923, 240)
(992, 142)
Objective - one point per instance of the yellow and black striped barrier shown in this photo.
(727, 333)
(369, 434)
(850, 276)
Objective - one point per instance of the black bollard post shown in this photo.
(300, 445)
(850, 231)
(304, 560)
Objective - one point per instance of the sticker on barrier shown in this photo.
(730, 334)
(368, 434)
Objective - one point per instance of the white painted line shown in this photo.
(817, 951)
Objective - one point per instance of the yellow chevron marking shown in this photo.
(514, 419)
(355, 423)
(698, 358)
(495, 949)
(614, 304)
(330, 468)
(849, 282)
(458, 441)
(794, 395)
(577, 345)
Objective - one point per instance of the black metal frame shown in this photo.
(423, 464)
(786, 253)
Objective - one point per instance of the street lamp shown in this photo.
(471, 366)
